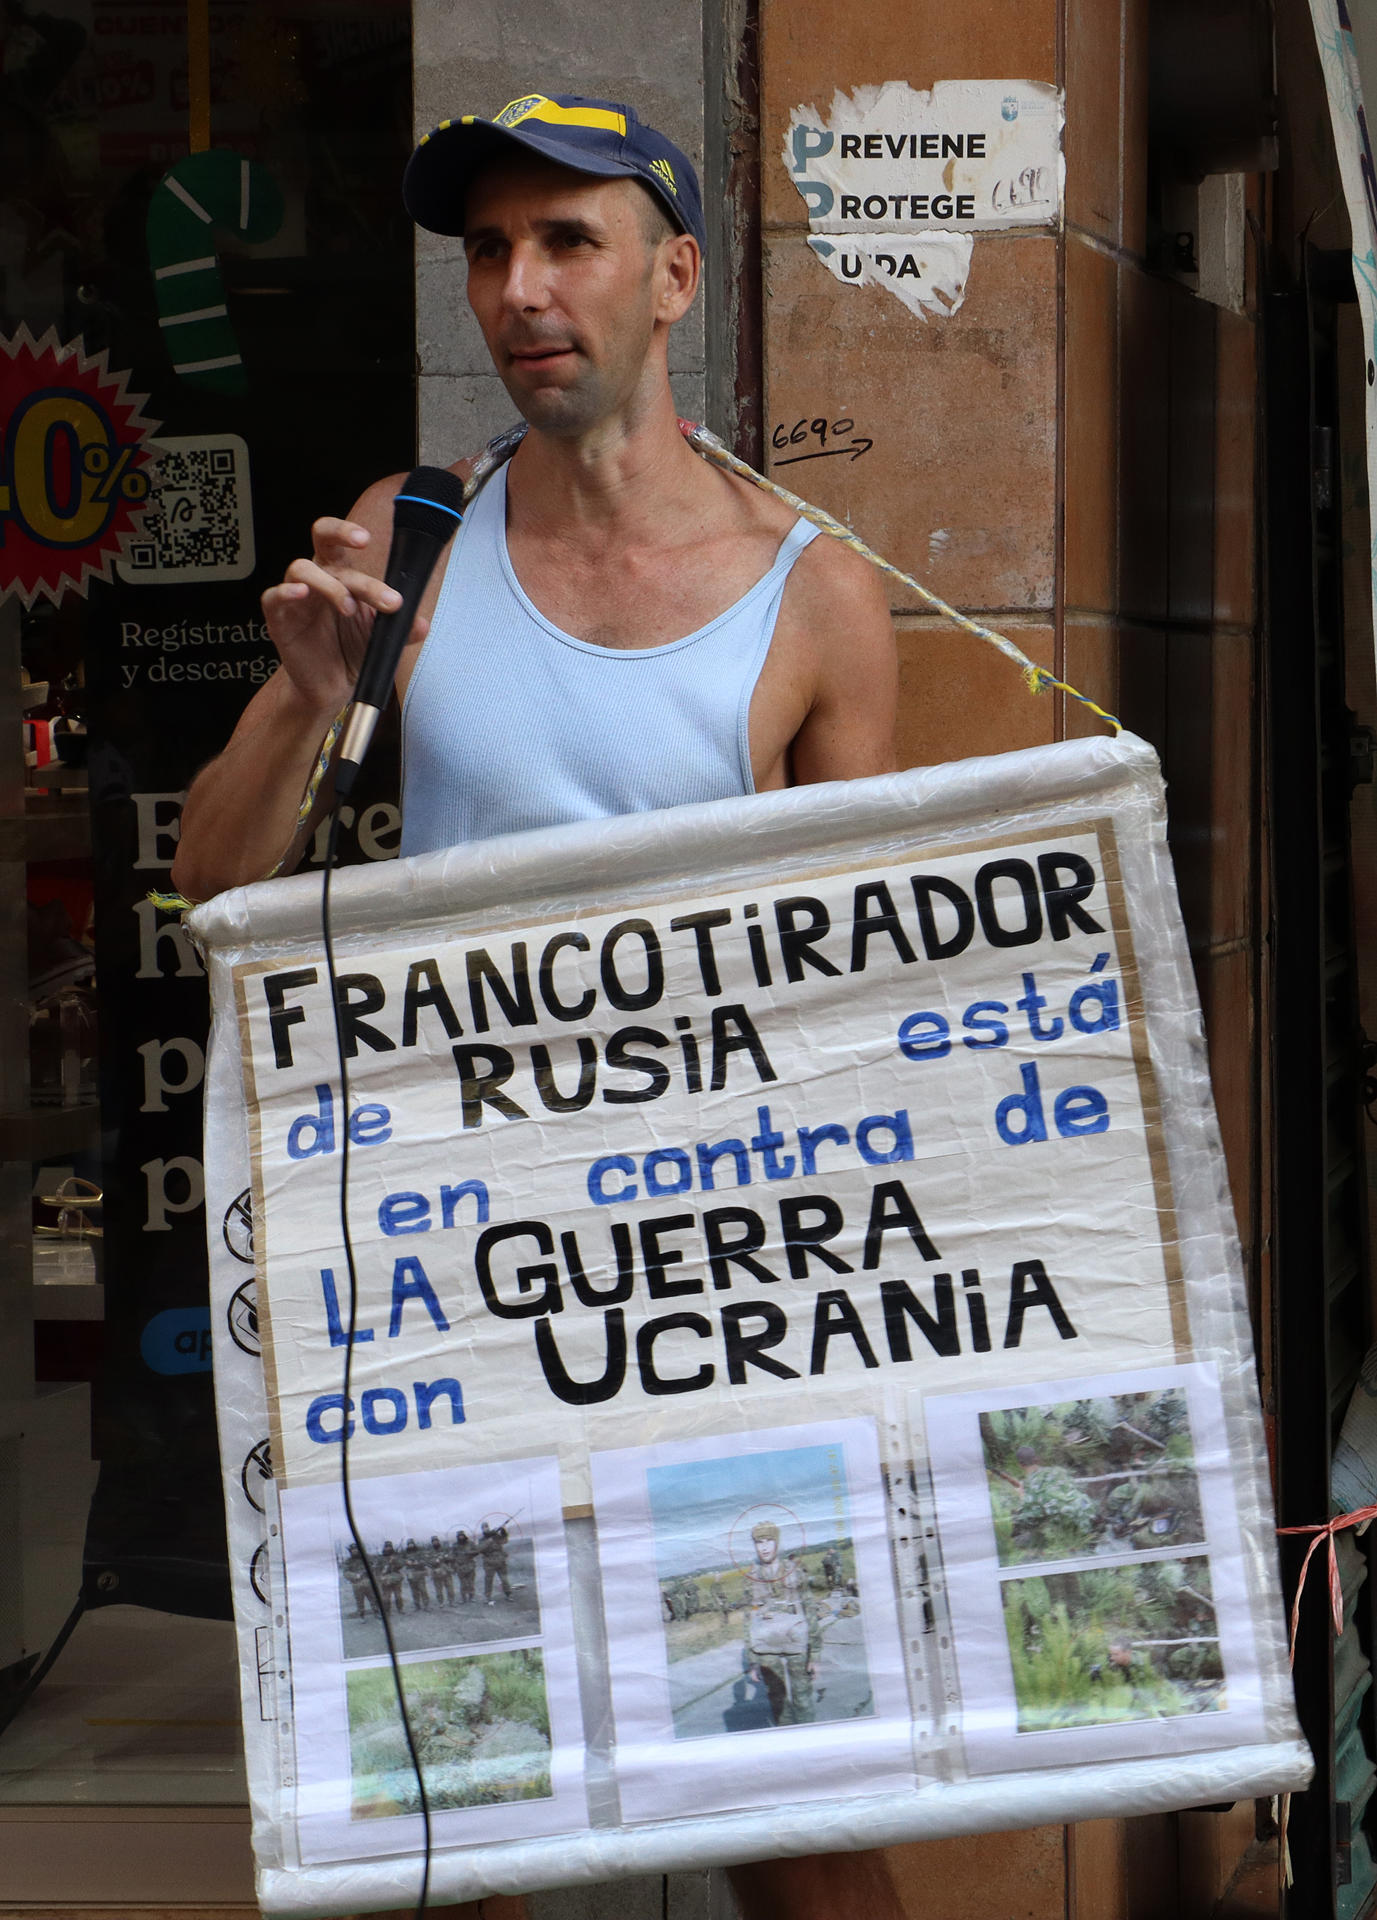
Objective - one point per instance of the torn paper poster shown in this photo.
(928, 271)
(969, 155)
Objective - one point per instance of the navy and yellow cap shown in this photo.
(591, 136)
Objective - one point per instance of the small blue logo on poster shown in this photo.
(177, 1340)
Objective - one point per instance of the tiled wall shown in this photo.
(1071, 457)
(961, 487)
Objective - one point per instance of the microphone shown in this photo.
(425, 515)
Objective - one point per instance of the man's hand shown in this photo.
(320, 617)
(241, 818)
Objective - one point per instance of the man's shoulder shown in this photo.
(830, 585)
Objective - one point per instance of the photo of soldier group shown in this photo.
(440, 1589)
(1134, 1642)
(1112, 1475)
(760, 1602)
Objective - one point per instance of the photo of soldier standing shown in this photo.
(441, 1571)
(492, 1545)
(759, 1601)
(783, 1629)
(417, 1567)
(355, 1571)
(465, 1558)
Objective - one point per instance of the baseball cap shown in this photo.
(601, 137)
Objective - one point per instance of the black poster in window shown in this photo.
(259, 294)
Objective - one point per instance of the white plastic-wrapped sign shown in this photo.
(801, 1393)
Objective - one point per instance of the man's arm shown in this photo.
(848, 731)
(240, 818)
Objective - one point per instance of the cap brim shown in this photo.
(438, 175)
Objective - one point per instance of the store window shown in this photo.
(206, 338)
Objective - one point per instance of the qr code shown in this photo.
(198, 524)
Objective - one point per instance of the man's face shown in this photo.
(566, 288)
(766, 1550)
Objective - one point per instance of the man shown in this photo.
(417, 1568)
(465, 1557)
(441, 1571)
(355, 1571)
(783, 1632)
(391, 1571)
(620, 613)
(492, 1545)
(634, 628)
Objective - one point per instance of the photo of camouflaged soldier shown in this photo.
(492, 1547)
(761, 1609)
(417, 1569)
(427, 1577)
(783, 1630)
(355, 1571)
(464, 1555)
(441, 1571)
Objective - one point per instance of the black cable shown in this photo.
(327, 937)
(40, 1672)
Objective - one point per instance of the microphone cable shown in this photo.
(429, 498)
(351, 1329)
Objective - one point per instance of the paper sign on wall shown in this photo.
(896, 181)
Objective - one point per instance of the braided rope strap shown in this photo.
(1038, 679)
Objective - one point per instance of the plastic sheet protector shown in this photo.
(802, 1395)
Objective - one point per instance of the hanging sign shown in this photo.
(827, 1208)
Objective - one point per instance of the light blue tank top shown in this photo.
(511, 723)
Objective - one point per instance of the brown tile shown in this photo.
(1091, 665)
(1144, 395)
(1255, 1893)
(1092, 427)
(811, 48)
(1092, 116)
(959, 486)
(1133, 231)
(1191, 456)
(1015, 1876)
(1187, 759)
(1234, 473)
(1096, 1870)
(959, 696)
(1226, 995)
(1123, 1869)
(1220, 1852)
